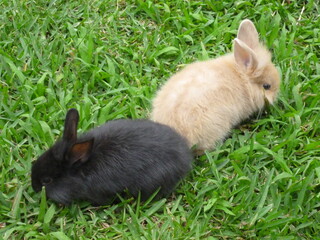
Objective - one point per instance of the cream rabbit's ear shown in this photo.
(247, 33)
(244, 56)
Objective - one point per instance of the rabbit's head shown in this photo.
(52, 168)
(255, 65)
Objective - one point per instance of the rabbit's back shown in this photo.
(138, 155)
(203, 101)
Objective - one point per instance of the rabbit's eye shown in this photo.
(266, 86)
(46, 181)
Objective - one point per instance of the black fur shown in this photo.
(132, 155)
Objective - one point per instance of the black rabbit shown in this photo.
(119, 156)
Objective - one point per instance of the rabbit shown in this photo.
(118, 157)
(205, 100)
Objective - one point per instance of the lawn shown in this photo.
(107, 59)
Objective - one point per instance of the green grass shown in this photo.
(107, 59)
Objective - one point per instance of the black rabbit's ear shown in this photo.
(70, 125)
(80, 152)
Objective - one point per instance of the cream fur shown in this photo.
(206, 99)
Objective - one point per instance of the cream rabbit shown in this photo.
(205, 100)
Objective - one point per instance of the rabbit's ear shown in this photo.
(80, 152)
(248, 34)
(244, 56)
(70, 126)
